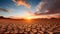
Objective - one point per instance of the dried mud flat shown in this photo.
(38, 26)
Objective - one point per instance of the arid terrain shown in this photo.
(34, 26)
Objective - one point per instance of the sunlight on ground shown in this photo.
(28, 20)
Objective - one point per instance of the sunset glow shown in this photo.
(28, 17)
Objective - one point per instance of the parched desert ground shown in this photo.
(34, 26)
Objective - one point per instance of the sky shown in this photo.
(38, 8)
(16, 10)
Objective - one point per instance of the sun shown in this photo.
(29, 18)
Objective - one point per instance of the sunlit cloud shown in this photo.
(22, 2)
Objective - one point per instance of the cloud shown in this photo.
(22, 2)
(4, 10)
(48, 7)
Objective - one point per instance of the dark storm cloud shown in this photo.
(4, 10)
(48, 7)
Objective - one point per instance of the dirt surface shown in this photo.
(34, 26)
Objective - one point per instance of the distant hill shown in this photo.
(1, 17)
